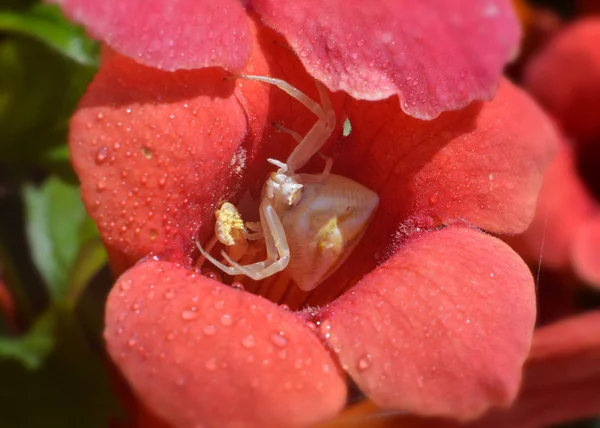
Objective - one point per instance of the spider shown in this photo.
(310, 223)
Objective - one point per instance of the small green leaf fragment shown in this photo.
(32, 348)
(47, 24)
(65, 243)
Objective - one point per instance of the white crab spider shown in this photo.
(310, 222)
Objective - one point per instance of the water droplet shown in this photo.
(147, 152)
(325, 329)
(365, 362)
(170, 293)
(211, 364)
(189, 314)
(278, 339)
(132, 341)
(434, 198)
(491, 176)
(219, 304)
(101, 155)
(171, 335)
(209, 273)
(248, 342)
(209, 329)
(226, 320)
(101, 184)
(153, 234)
(238, 286)
(125, 285)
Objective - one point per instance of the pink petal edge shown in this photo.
(437, 56)
(169, 34)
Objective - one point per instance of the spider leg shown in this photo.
(314, 178)
(321, 130)
(278, 252)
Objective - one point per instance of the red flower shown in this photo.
(567, 221)
(561, 384)
(428, 314)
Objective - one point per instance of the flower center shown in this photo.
(280, 288)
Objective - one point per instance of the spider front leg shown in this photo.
(318, 134)
(315, 178)
(278, 253)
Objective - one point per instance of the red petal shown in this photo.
(202, 354)
(202, 136)
(586, 252)
(441, 328)
(561, 384)
(563, 207)
(152, 150)
(482, 165)
(436, 55)
(169, 34)
(571, 94)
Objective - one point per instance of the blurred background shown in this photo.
(53, 275)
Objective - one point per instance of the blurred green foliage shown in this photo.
(53, 367)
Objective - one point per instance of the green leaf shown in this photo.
(39, 90)
(32, 348)
(64, 242)
(70, 390)
(47, 24)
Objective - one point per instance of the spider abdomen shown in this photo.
(325, 226)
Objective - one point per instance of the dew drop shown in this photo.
(365, 362)
(226, 320)
(433, 199)
(209, 329)
(209, 273)
(170, 293)
(101, 155)
(101, 184)
(238, 286)
(125, 285)
(190, 314)
(325, 329)
(279, 340)
(248, 342)
(147, 152)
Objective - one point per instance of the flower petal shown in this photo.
(437, 55)
(144, 143)
(563, 207)
(156, 151)
(202, 354)
(169, 34)
(561, 384)
(571, 94)
(442, 328)
(586, 254)
(482, 165)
